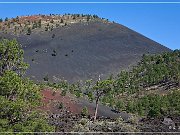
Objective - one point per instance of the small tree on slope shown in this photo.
(101, 89)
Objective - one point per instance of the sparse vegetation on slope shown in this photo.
(20, 25)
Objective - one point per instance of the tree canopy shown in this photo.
(11, 57)
(19, 96)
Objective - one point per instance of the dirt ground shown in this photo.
(52, 99)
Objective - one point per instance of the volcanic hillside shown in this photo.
(75, 47)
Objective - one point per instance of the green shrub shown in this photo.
(61, 106)
(46, 78)
(84, 111)
(63, 93)
(120, 105)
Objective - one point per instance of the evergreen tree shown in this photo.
(19, 96)
(11, 57)
(101, 89)
(6, 19)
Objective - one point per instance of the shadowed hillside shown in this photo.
(83, 50)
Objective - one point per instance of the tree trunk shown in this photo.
(95, 114)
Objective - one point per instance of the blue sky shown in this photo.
(160, 22)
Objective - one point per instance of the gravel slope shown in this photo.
(75, 105)
(84, 50)
(103, 111)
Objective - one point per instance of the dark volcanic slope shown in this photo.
(84, 50)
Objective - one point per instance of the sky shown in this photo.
(157, 21)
